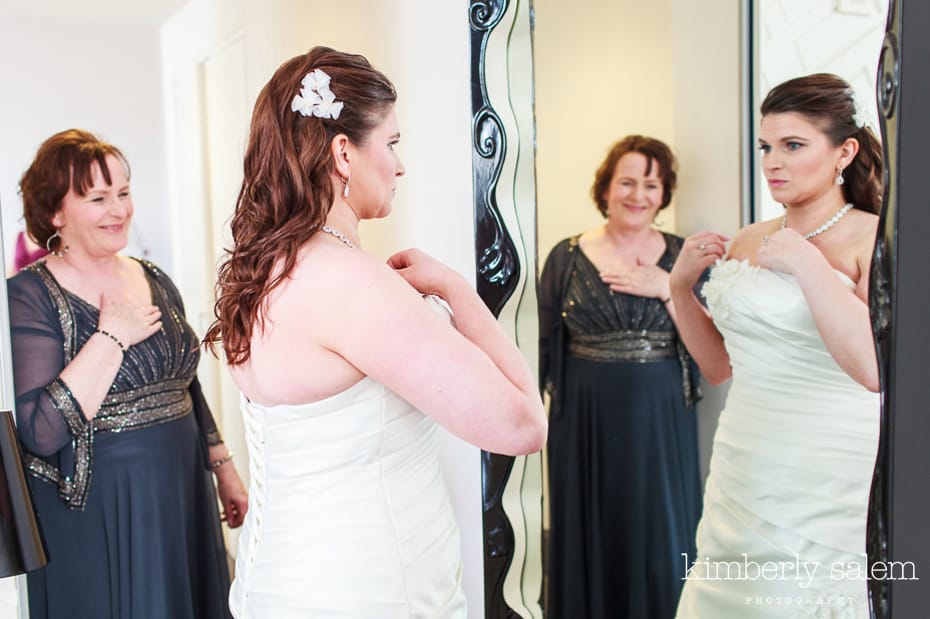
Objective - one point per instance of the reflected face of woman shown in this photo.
(634, 195)
(97, 224)
(376, 170)
(798, 160)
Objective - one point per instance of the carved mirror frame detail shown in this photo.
(504, 203)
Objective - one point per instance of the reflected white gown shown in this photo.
(785, 505)
(348, 513)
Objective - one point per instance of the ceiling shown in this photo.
(152, 12)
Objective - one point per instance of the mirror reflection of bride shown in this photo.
(788, 320)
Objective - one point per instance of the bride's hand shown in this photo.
(787, 251)
(699, 251)
(426, 274)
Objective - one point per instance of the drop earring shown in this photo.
(345, 188)
(839, 177)
(62, 248)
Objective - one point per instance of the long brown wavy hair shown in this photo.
(829, 102)
(287, 187)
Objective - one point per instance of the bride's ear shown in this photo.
(848, 150)
(340, 148)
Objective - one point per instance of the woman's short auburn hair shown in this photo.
(64, 162)
(655, 151)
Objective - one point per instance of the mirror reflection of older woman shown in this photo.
(623, 460)
(118, 439)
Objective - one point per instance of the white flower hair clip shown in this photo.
(860, 115)
(315, 98)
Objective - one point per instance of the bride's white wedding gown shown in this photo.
(784, 522)
(348, 513)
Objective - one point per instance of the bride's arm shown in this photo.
(472, 378)
(697, 330)
(842, 318)
(841, 315)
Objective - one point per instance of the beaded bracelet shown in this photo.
(218, 463)
(112, 337)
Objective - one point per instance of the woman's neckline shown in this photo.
(665, 251)
(73, 295)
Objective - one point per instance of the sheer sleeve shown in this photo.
(205, 419)
(47, 415)
(551, 325)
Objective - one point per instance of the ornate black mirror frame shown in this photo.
(504, 203)
(497, 273)
(900, 306)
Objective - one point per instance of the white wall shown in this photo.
(93, 75)
(708, 99)
(800, 37)
(601, 73)
(707, 102)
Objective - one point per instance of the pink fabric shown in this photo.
(23, 256)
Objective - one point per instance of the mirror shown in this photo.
(669, 70)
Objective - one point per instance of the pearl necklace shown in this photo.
(826, 226)
(339, 235)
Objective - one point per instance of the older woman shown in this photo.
(623, 461)
(119, 441)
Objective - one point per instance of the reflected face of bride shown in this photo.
(798, 160)
(635, 193)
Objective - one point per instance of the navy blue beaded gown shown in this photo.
(126, 501)
(624, 480)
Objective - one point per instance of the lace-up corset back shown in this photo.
(348, 513)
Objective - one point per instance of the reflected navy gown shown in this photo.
(624, 481)
(126, 502)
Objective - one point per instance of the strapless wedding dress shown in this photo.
(348, 513)
(784, 522)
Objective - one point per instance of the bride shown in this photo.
(784, 523)
(345, 369)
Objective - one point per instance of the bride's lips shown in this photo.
(776, 182)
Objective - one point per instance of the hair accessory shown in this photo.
(315, 98)
(839, 177)
(61, 251)
(112, 337)
(218, 463)
(827, 224)
(860, 117)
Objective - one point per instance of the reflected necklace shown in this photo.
(826, 226)
(339, 235)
